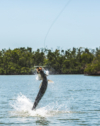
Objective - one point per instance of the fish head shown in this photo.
(39, 69)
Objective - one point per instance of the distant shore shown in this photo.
(22, 61)
(59, 74)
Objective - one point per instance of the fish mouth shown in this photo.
(39, 69)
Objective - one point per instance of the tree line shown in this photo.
(71, 61)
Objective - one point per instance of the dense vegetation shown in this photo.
(75, 61)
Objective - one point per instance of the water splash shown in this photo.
(22, 106)
(38, 76)
(47, 72)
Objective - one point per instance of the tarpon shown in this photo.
(43, 87)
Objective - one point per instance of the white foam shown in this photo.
(38, 77)
(22, 106)
(47, 72)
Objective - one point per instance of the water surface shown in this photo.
(72, 100)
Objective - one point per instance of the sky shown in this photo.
(40, 23)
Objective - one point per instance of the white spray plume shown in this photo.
(47, 72)
(22, 106)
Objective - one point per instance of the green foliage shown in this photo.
(75, 61)
(94, 67)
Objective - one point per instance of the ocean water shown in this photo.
(72, 100)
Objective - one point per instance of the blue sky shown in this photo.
(25, 23)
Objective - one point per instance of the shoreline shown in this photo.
(54, 74)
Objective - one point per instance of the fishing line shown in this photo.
(55, 21)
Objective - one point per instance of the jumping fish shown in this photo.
(43, 86)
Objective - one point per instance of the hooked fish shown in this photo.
(43, 86)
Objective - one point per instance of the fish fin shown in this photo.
(40, 85)
(50, 81)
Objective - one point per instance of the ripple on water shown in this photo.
(72, 100)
